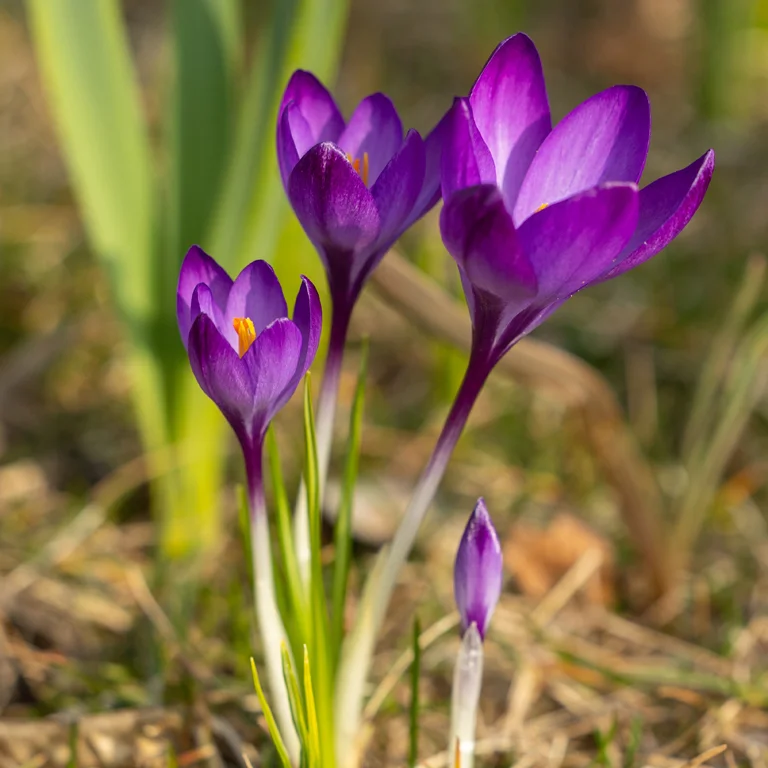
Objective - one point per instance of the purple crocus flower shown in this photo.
(355, 186)
(478, 573)
(534, 215)
(246, 353)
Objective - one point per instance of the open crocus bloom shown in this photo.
(479, 571)
(533, 215)
(355, 186)
(247, 355)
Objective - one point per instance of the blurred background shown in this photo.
(129, 131)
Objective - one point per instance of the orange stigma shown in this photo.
(246, 333)
(361, 169)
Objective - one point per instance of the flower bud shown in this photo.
(477, 575)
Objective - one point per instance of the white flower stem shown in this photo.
(467, 681)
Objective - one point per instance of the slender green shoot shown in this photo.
(715, 369)
(274, 731)
(294, 585)
(296, 701)
(413, 731)
(343, 530)
(312, 721)
(322, 654)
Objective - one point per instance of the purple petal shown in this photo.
(335, 208)
(315, 104)
(256, 294)
(666, 207)
(271, 362)
(203, 304)
(573, 241)
(478, 232)
(430, 189)
(308, 318)
(398, 187)
(374, 128)
(294, 138)
(604, 139)
(221, 373)
(511, 110)
(198, 267)
(479, 571)
(466, 160)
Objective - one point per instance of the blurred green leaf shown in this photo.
(82, 49)
(207, 54)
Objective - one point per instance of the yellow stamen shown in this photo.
(457, 755)
(246, 333)
(362, 172)
(541, 207)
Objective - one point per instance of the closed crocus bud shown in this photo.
(477, 575)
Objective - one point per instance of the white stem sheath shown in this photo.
(467, 681)
(271, 630)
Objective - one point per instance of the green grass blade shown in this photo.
(296, 701)
(343, 530)
(312, 721)
(703, 410)
(322, 657)
(745, 386)
(413, 731)
(274, 731)
(293, 583)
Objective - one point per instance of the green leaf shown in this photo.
(296, 701)
(207, 54)
(322, 656)
(294, 586)
(274, 731)
(413, 741)
(82, 50)
(312, 722)
(306, 34)
(343, 529)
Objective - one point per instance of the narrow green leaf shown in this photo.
(322, 656)
(312, 722)
(743, 389)
(82, 49)
(274, 731)
(704, 408)
(295, 699)
(413, 746)
(207, 54)
(294, 585)
(73, 739)
(343, 530)
(306, 34)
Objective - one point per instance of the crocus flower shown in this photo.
(534, 215)
(478, 572)
(355, 186)
(246, 353)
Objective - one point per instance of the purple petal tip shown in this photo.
(478, 573)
